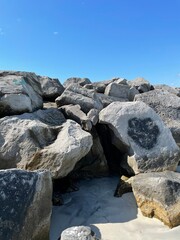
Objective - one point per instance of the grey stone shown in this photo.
(60, 157)
(166, 88)
(87, 99)
(78, 233)
(93, 115)
(22, 135)
(158, 195)
(75, 113)
(141, 84)
(141, 131)
(51, 88)
(106, 100)
(167, 106)
(26, 205)
(76, 80)
(19, 92)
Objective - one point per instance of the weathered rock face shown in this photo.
(167, 106)
(166, 88)
(141, 84)
(75, 80)
(121, 91)
(51, 88)
(25, 204)
(138, 128)
(158, 195)
(87, 99)
(22, 135)
(78, 233)
(60, 157)
(93, 115)
(19, 92)
(75, 113)
(106, 100)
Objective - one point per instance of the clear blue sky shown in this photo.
(99, 39)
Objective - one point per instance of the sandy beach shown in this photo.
(109, 217)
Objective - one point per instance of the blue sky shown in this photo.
(99, 39)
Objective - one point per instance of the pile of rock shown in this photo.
(81, 129)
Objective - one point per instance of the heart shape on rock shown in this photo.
(144, 132)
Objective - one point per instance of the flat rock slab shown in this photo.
(26, 206)
(158, 195)
(141, 131)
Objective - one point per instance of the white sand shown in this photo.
(111, 218)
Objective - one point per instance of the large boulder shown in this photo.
(75, 113)
(158, 195)
(22, 135)
(106, 100)
(164, 87)
(121, 91)
(26, 204)
(167, 106)
(51, 88)
(141, 84)
(140, 131)
(19, 92)
(74, 94)
(76, 80)
(60, 157)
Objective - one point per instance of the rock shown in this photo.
(166, 88)
(121, 81)
(140, 130)
(93, 115)
(75, 113)
(78, 233)
(22, 135)
(106, 100)
(87, 99)
(51, 88)
(25, 204)
(158, 195)
(141, 84)
(19, 92)
(75, 80)
(167, 106)
(121, 91)
(60, 157)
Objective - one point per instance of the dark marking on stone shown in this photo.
(144, 132)
(17, 190)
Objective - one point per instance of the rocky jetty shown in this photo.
(86, 129)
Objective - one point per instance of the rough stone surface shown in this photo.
(75, 113)
(167, 106)
(19, 92)
(87, 99)
(75, 80)
(22, 135)
(51, 88)
(166, 88)
(93, 115)
(150, 144)
(106, 100)
(124, 186)
(158, 195)
(78, 233)
(141, 84)
(121, 91)
(26, 206)
(60, 157)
